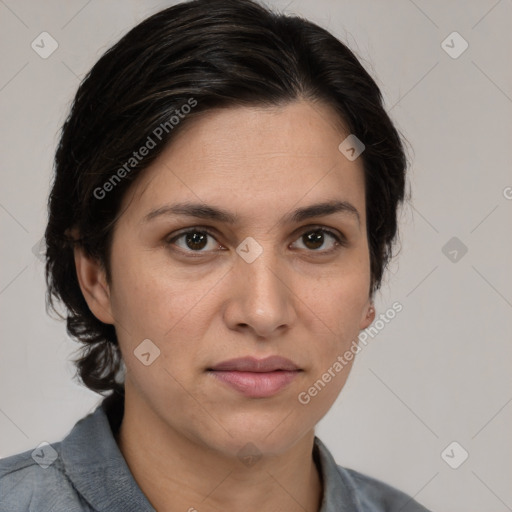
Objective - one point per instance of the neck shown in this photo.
(178, 473)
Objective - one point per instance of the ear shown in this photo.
(368, 315)
(93, 283)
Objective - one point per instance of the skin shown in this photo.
(183, 428)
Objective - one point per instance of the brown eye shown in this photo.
(196, 240)
(314, 240)
(193, 240)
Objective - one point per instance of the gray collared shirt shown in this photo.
(86, 471)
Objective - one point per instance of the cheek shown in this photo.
(152, 300)
(340, 300)
(335, 312)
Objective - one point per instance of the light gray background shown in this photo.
(441, 370)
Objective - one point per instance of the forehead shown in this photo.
(256, 158)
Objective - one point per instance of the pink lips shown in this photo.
(256, 378)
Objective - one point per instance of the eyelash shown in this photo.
(339, 239)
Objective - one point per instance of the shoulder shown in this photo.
(36, 481)
(374, 495)
(356, 491)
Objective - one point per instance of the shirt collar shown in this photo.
(338, 491)
(98, 470)
(96, 466)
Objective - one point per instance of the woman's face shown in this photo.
(265, 282)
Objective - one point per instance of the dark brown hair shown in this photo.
(205, 54)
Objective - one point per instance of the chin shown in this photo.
(258, 435)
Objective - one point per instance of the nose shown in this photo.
(261, 298)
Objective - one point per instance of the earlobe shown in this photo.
(369, 317)
(94, 286)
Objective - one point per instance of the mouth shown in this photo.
(256, 378)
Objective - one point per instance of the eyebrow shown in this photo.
(204, 211)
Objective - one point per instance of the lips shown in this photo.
(256, 378)
(251, 364)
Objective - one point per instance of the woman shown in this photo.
(224, 207)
